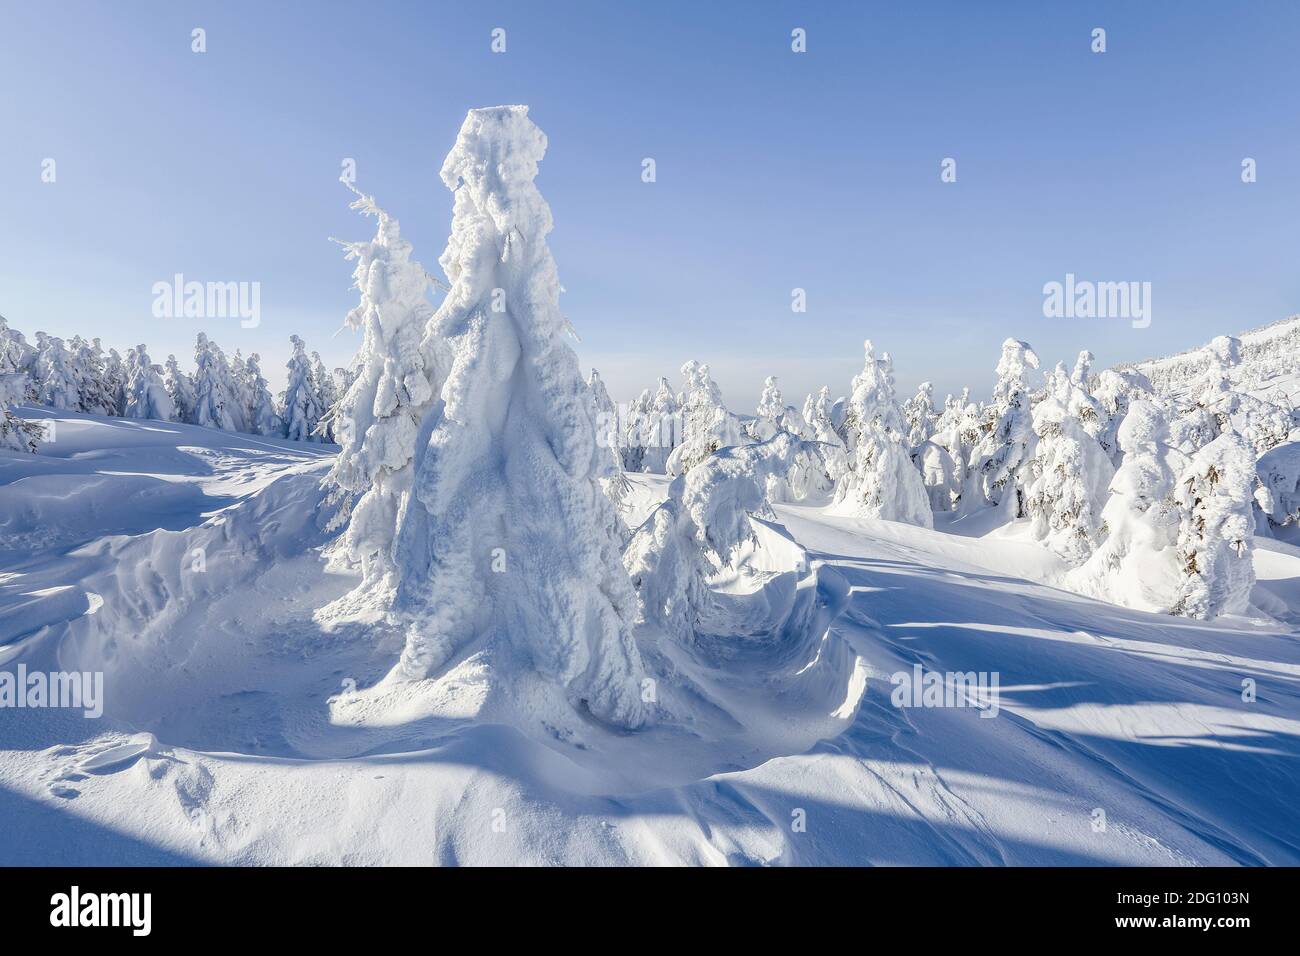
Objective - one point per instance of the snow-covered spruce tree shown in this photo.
(1217, 521)
(661, 429)
(326, 397)
(956, 430)
(146, 395)
(999, 462)
(241, 390)
(634, 431)
(377, 420)
(698, 529)
(919, 415)
(57, 381)
(16, 356)
(817, 412)
(116, 373)
(506, 540)
(881, 481)
(1115, 391)
(87, 366)
(872, 401)
(769, 413)
(300, 401)
(1071, 472)
(939, 474)
(1081, 375)
(262, 418)
(180, 388)
(706, 423)
(215, 401)
(612, 479)
(16, 434)
(1137, 564)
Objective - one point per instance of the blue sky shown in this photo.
(775, 170)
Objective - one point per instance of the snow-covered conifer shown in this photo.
(215, 401)
(919, 415)
(116, 373)
(1071, 475)
(770, 411)
(1217, 520)
(506, 535)
(16, 434)
(180, 388)
(262, 418)
(700, 526)
(817, 412)
(999, 462)
(377, 420)
(1137, 564)
(706, 423)
(661, 429)
(300, 402)
(881, 480)
(58, 384)
(146, 395)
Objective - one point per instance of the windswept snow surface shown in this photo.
(185, 564)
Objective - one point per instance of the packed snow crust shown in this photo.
(237, 727)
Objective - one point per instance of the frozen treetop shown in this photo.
(495, 158)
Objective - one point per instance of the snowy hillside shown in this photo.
(1269, 369)
(229, 733)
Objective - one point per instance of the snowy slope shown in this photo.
(231, 732)
(1269, 369)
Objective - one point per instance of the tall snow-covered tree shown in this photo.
(1082, 370)
(58, 384)
(919, 415)
(706, 423)
(506, 538)
(817, 412)
(881, 480)
(241, 391)
(1137, 564)
(770, 412)
(146, 395)
(1114, 392)
(612, 480)
(116, 373)
(16, 434)
(377, 421)
(872, 401)
(94, 394)
(300, 401)
(180, 388)
(1217, 521)
(635, 430)
(999, 469)
(215, 399)
(326, 396)
(1071, 475)
(18, 360)
(262, 418)
(661, 428)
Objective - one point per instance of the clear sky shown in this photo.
(775, 170)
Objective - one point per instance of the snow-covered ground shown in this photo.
(239, 726)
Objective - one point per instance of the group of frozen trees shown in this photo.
(224, 392)
(1150, 499)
